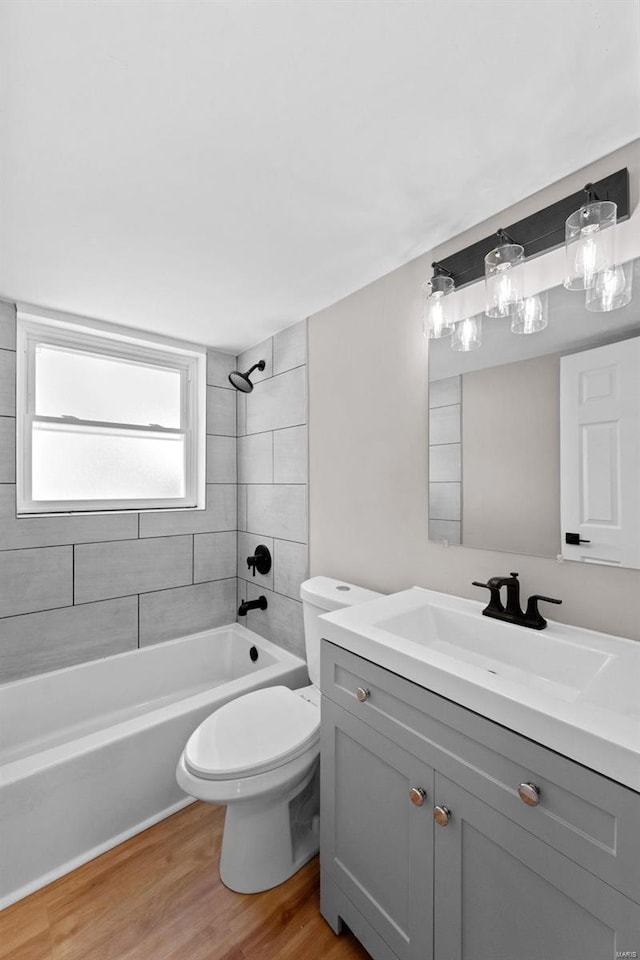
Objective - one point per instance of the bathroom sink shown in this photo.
(574, 690)
(533, 658)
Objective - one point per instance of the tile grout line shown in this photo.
(91, 543)
(285, 596)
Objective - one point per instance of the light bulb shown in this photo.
(587, 255)
(531, 316)
(610, 283)
(589, 243)
(437, 320)
(504, 289)
(503, 277)
(437, 317)
(467, 335)
(611, 290)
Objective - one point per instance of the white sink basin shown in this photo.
(534, 658)
(573, 690)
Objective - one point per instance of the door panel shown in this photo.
(518, 897)
(600, 443)
(378, 845)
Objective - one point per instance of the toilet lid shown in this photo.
(253, 734)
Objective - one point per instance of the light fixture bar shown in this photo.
(540, 231)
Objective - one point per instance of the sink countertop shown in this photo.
(573, 690)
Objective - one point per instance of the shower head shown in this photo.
(241, 381)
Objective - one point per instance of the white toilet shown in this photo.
(259, 754)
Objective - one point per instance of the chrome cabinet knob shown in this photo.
(529, 794)
(441, 815)
(362, 694)
(418, 795)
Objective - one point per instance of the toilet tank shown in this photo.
(322, 595)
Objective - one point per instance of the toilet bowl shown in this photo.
(259, 755)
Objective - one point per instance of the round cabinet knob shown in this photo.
(529, 794)
(441, 815)
(418, 796)
(362, 694)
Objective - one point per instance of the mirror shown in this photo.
(534, 440)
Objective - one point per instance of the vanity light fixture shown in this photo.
(532, 314)
(437, 317)
(503, 277)
(467, 335)
(584, 224)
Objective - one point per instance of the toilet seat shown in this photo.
(253, 734)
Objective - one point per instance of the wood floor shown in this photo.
(158, 897)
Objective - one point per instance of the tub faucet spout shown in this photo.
(246, 605)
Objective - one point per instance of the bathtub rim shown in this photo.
(280, 652)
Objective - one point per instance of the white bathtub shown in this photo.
(88, 753)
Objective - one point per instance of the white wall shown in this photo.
(368, 448)
(511, 443)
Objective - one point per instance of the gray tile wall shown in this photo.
(272, 484)
(445, 460)
(78, 588)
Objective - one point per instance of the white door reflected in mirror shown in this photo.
(600, 462)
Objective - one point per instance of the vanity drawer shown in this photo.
(589, 818)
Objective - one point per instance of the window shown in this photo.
(107, 419)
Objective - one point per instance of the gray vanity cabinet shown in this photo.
(492, 877)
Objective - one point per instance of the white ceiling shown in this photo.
(219, 170)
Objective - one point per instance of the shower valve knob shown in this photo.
(261, 560)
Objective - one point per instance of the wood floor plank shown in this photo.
(158, 896)
(24, 929)
(35, 948)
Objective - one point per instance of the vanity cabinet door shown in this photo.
(518, 897)
(377, 832)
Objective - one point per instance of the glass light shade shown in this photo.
(467, 334)
(437, 318)
(589, 243)
(503, 279)
(532, 314)
(610, 290)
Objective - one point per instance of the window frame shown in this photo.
(89, 336)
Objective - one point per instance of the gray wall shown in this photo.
(78, 588)
(511, 457)
(272, 484)
(368, 448)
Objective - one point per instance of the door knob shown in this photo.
(441, 815)
(573, 539)
(362, 694)
(529, 793)
(418, 795)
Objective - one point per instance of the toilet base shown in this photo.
(266, 841)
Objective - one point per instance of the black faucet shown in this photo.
(246, 605)
(513, 612)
